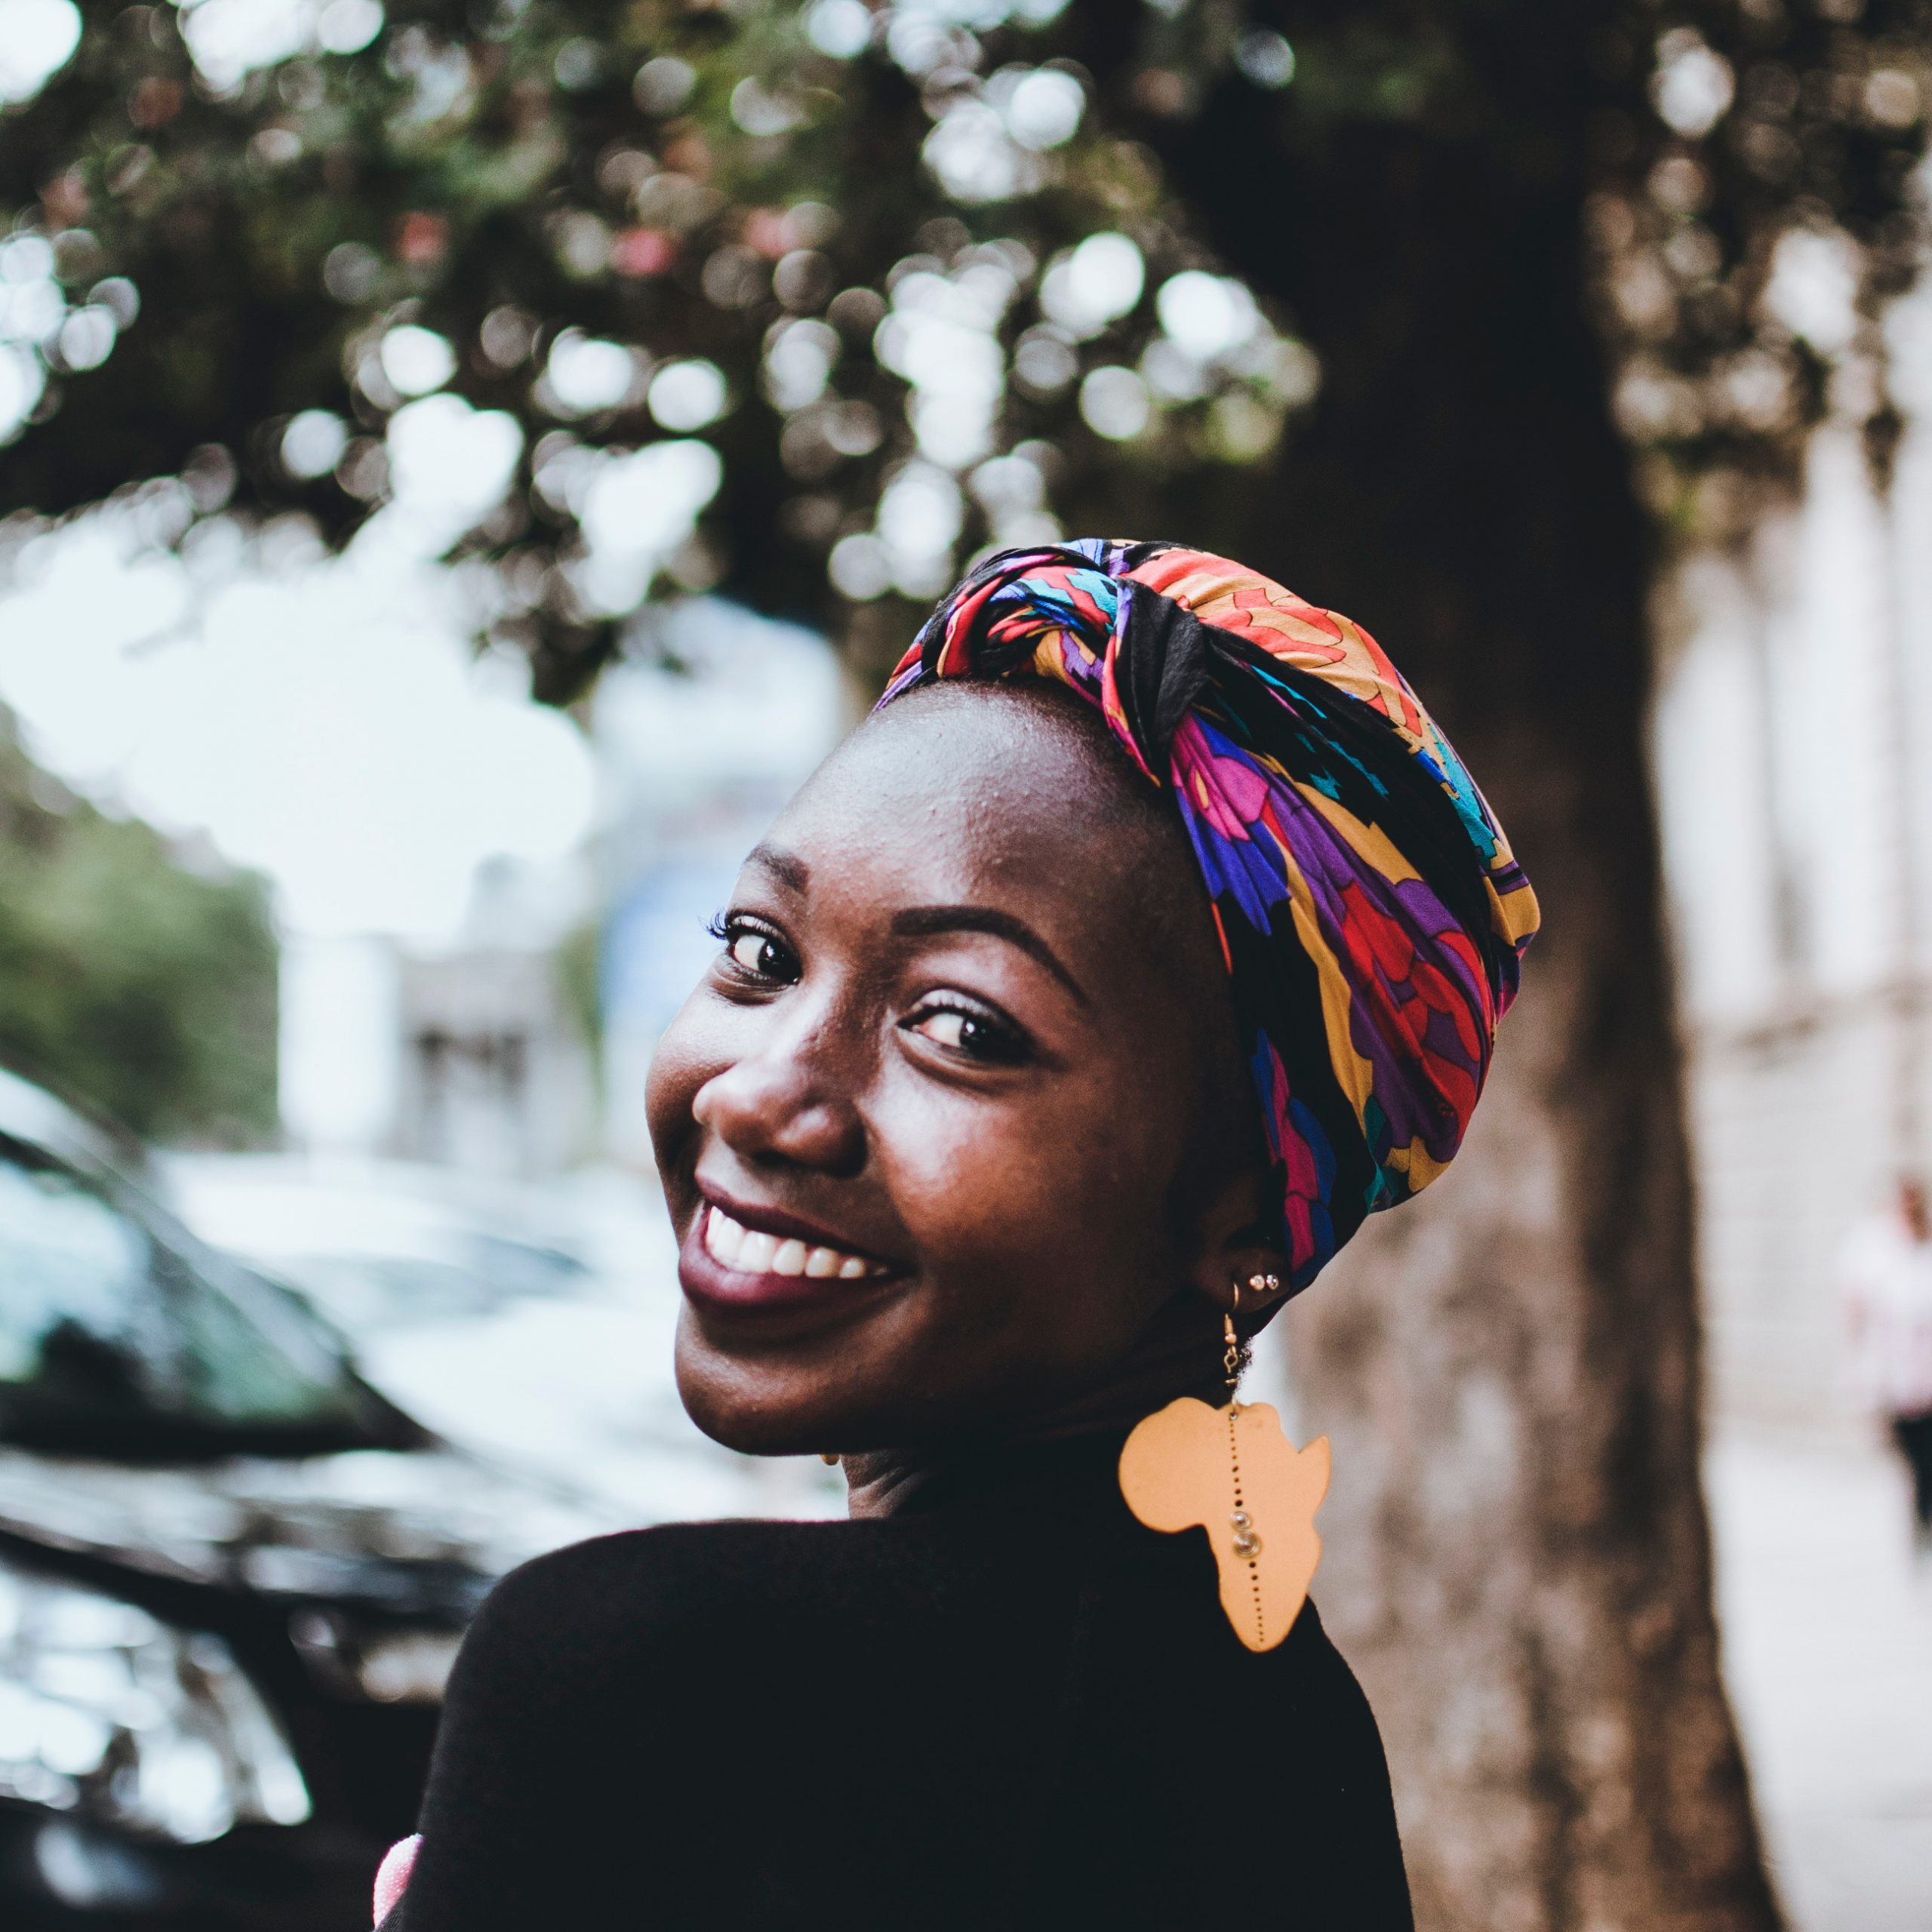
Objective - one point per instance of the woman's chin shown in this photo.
(757, 1407)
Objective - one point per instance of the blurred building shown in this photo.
(496, 1074)
(708, 725)
(1794, 738)
(483, 1053)
(472, 1055)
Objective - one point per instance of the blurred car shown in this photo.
(532, 1325)
(377, 1244)
(232, 1574)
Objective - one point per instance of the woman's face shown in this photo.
(925, 1126)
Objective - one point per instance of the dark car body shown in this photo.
(232, 1576)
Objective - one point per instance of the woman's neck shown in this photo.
(879, 1482)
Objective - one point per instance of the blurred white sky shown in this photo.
(323, 720)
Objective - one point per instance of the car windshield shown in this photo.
(121, 1336)
(478, 1275)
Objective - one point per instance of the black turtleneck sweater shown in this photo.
(1007, 1705)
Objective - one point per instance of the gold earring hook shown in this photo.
(1231, 1355)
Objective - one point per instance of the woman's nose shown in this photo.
(783, 1106)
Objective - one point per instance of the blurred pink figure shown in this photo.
(1886, 1279)
(393, 1875)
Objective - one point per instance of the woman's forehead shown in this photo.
(1037, 737)
(1003, 796)
(981, 780)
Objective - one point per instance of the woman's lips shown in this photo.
(733, 1267)
(751, 1251)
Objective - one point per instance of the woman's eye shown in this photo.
(756, 952)
(970, 1034)
(949, 1029)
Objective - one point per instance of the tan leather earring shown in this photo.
(1233, 1471)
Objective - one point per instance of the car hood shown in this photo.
(423, 1531)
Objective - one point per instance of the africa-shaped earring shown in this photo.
(1234, 1471)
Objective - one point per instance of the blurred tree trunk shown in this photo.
(1517, 1560)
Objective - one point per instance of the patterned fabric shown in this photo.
(1371, 915)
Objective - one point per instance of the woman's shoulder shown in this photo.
(653, 1631)
(668, 1566)
(617, 1630)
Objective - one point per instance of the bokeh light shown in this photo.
(689, 395)
(416, 360)
(1094, 284)
(37, 38)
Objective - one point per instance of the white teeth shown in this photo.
(745, 1252)
(723, 1237)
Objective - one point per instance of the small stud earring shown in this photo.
(1263, 1284)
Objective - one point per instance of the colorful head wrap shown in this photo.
(1371, 915)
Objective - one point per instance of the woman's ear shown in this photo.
(1234, 1247)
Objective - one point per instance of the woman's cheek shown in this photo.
(694, 1047)
(984, 1190)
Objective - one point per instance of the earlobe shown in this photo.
(1234, 1250)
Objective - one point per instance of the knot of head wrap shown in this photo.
(1371, 915)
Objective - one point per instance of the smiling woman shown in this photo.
(919, 1048)
(960, 1135)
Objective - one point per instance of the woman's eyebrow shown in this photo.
(924, 922)
(786, 867)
